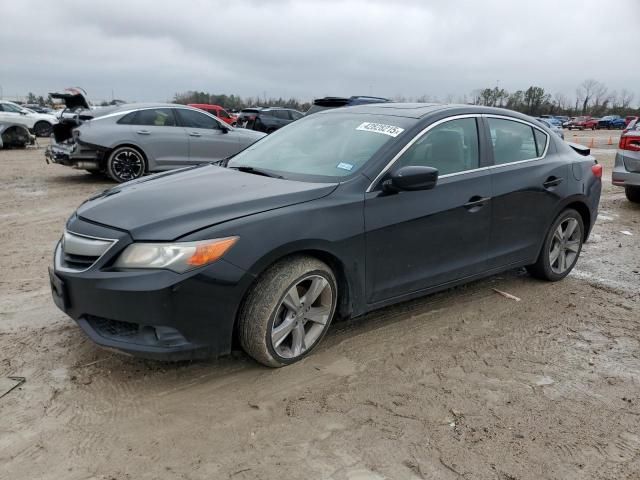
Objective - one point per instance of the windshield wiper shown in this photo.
(256, 171)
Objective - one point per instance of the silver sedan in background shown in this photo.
(130, 140)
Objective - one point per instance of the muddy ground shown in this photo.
(463, 384)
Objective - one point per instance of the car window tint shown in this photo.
(193, 119)
(223, 114)
(268, 113)
(541, 141)
(128, 119)
(512, 141)
(450, 147)
(11, 108)
(282, 114)
(154, 117)
(296, 115)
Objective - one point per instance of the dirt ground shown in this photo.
(463, 384)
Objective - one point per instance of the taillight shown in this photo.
(631, 143)
(596, 170)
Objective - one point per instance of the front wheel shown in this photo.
(42, 129)
(632, 193)
(561, 248)
(288, 311)
(125, 163)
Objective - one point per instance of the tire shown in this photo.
(42, 129)
(569, 248)
(632, 193)
(270, 331)
(125, 164)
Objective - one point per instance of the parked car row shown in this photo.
(41, 124)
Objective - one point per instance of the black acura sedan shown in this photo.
(335, 215)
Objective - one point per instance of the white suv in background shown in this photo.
(39, 123)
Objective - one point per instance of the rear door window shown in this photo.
(513, 141)
(152, 117)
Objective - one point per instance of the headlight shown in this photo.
(179, 257)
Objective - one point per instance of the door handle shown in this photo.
(143, 132)
(476, 202)
(194, 134)
(552, 182)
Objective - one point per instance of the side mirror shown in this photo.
(411, 178)
(23, 112)
(224, 129)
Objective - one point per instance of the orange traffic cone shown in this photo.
(592, 143)
(610, 142)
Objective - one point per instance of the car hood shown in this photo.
(170, 205)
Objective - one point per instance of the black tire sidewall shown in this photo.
(287, 361)
(42, 123)
(544, 254)
(632, 193)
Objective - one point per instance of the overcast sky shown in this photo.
(149, 50)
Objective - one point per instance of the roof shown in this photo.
(410, 110)
(420, 110)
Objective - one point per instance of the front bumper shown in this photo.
(156, 314)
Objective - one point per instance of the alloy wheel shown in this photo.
(127, 164)
(302, 316)
(565, 246)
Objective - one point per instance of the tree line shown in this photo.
(235, 102)
(591, 98)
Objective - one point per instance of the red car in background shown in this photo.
(216, 110)
(583, 123)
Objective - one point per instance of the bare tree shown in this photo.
(561, 101)
(625, 98)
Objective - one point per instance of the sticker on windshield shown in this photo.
(345, 166)
(390, 130)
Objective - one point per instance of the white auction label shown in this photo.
(390, 130)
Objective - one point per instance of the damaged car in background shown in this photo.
(13, 135)
(126, 141)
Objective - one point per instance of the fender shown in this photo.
(348, 267)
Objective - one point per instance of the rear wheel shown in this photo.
(125, 163)
(288, 311)
(42, 129)
(561, 248)
(633, 193)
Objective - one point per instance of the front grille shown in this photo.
(79, 262)
(114, 328)
(159, 336)
(79, 252)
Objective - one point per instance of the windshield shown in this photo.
(329, 145)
